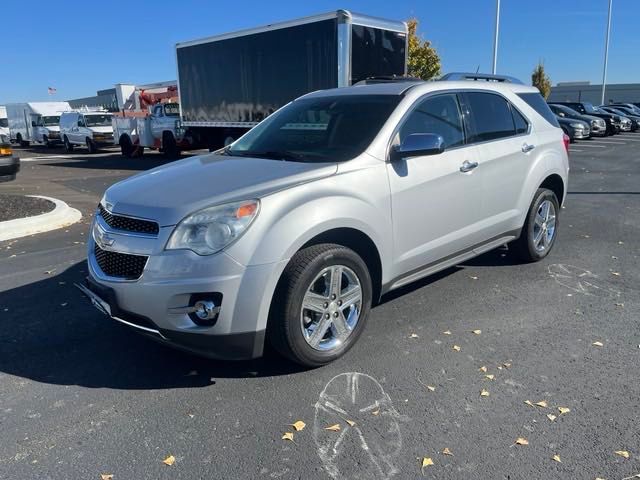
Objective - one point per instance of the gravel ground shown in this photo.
(21, 206)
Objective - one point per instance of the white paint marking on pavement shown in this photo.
(572, 150)
(608, 142)
(48, 157)
(367, 448)
(579, 280)
(592, 146)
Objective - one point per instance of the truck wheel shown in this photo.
(321, 305)
(23, 143)
(67, 146)
(169, 146)
(126, 148)
(91, 146)
(46, 142)
(540, 227)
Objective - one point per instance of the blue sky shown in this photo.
(79, 47)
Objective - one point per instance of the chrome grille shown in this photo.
(120, 265)
(127, 223)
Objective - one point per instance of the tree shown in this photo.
(424, 61)
(541, 80)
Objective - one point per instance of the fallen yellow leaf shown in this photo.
(431, 388)
(456, 348)
(426, 462)
(506, 365)
(170, 460)
(106, 476)
(522, 441)
(375, 412)
(551, 417)
(622, 453)
(299, 425)
(557, 458)
(615, 273)
(351, 423)
(477, 332)
(597, 344)
(483, 369)
(288, 436)
(447, 332)
(490, 376)
(528, 402)
(472, 277)
(563, 410)
(484, 393)
(333, 428)
(446, 451)
(413, 335)
(542, 403)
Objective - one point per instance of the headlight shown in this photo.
(577, 125)
(210, 230)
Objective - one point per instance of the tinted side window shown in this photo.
(522, 126)
(536, 102)
(489, 117)
(440, 115)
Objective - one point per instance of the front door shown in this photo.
(435, 199)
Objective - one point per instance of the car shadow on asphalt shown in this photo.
(50, 333)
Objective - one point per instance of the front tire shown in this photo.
(321, 305)
(67, 145)
(169, 146)
(540, 229)
(91, 146)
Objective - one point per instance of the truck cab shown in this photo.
(92, 129)
(45, 129)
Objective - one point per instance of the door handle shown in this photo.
(467, 166)
(527, 147)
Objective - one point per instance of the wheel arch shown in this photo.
(555, 183)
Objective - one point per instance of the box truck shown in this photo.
(229, 83)
(35, 122)
(4, 125)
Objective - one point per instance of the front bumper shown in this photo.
(103, 140)
(581, 133)
(172, 280)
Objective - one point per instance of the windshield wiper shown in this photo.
(271, 154)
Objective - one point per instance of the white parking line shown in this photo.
(592, 146)
(572, 150)
(607, 142)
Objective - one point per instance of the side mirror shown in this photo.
(418, 145)
(33, 123)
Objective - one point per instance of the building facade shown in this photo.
(585, 92)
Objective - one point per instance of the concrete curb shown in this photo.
(61, 216)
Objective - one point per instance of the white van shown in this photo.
(35, 122)
(89, 128)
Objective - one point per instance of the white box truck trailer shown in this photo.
(229, 83)
(35, 122)
(4, 125)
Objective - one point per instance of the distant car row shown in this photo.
(581, 120)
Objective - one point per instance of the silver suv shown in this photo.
(293, 232)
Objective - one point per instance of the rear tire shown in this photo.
(23, 143)
(310, 275)
(67, 145)
(540, 229)
(126, 148)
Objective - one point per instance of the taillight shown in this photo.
(566, 140)
(5, 150)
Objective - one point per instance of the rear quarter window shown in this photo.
(535, 101)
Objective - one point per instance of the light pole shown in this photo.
(495, 37)
(606, 54)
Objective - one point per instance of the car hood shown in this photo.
(588, 118)
(569, 121)
(105, 129)
(167, 194)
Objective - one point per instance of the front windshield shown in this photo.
(4, 122)
(51, 120)
(172, 109)
(321, 129)
(102, 120)
(589, 108)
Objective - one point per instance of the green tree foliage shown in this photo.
(541, 80)
(424, 61)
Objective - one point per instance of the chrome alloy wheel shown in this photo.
(544, 227)
(331, 308)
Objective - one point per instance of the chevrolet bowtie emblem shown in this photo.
(103, 239)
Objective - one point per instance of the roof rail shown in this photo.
(488, 77)
(387, 79)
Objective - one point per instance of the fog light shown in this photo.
(206, 309)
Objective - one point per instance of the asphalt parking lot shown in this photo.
(81, 396)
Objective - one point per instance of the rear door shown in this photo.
(501, 134)
(434, 203)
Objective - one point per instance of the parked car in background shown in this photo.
(4, 124)
(35, 122)
(597, 125)
(626, 107)
(575, 129)
(92, 129)
(586, 108)
(626, 125)
(9, 164)
(294, 230)
(629, 122)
